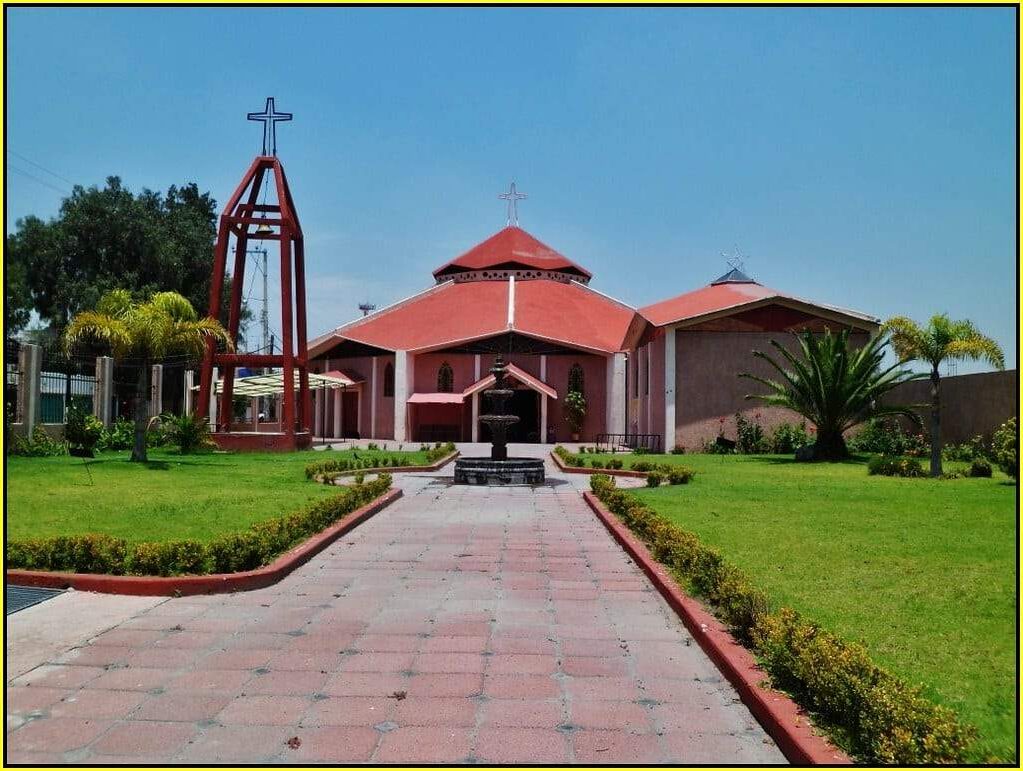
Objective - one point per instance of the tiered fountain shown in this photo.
(498, 469)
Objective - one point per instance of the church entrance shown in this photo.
(524, 402)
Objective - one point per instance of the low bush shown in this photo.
(749, 435)
(680, 475)
(641, 451)
(1005, 448)
(885, 436)
(643, 466)
(894, 467)
(39, 445)
(440, 451)
(229, 553)
(980, 468)
(678, 450)
(597, 463)
(880, 719)
(82, 430)
(188, 433)
(615, 463)
(653, 479)
(789, 437)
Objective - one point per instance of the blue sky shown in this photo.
(860, 157)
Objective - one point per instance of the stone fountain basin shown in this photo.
(487, 471)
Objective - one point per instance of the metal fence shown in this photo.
(651, 442)
(64, 380)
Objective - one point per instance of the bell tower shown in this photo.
(261, 209)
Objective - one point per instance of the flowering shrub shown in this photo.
(894, 467)
(653, 479)
(789, 437)
(881, 719)
(749, 435)
(1005, 448)
(886, 437)
(39, 445)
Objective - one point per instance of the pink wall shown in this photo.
(595, 377)
(427, 366)
(361, 368)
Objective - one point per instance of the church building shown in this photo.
(414, 371)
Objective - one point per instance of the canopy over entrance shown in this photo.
(273, 383)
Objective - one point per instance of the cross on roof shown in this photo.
(270, 117)
(513, 198)
(735, 260)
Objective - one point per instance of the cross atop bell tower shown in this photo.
(270, 118)
(513, 198)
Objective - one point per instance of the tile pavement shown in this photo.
(462, 624)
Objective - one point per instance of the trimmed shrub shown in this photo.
(260, 544)
(678, 450)
(597, 463)
(643, 466)
(653, 479)
(615, 463)
(881, 719)
(894, 467)
(680, 475)
(980, 468)
(789, 437)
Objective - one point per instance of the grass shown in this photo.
(173, 496)
(923, 571)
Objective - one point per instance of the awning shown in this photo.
(273, 384)
(436, 398)
(519, 374)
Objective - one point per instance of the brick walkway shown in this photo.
(460, 624)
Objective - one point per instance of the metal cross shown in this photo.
(513, 199)
(270, 117)
(734, 261)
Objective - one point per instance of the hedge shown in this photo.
(228, 553)
(879, 718)
(339, 466)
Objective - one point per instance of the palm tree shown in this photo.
(941, 340)
(833, 386)
(164, 325)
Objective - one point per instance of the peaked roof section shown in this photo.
(450, 313)
(511, 249)
(734, 276)
(734, 294)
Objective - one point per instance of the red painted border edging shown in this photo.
(215, 583)
(786, 723)
(436, 466)
(613, 472)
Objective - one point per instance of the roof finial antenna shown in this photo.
(270, 117)
(513, 198)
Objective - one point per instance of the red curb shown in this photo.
(781, 717)
(613, 472)
(398, 469)
(215, 583)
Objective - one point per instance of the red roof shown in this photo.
(451, 313)
(720, 297)
(511, 249)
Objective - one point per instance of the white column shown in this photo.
(214, 398)
(254, 412)
(338, 406)
(648, 395)
(616, 394)
(476, 412)
(102, 395)
(156, 390)
(669, 389)
(29, 388)
(189, 394)
(373, 401)
(401, 393)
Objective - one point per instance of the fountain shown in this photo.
(498, 469)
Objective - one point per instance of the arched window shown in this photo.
(575, 379)
(445, 379)
(389, 380)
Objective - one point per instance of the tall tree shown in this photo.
(942, 339)
(833, 385)
(109, 237)
(144, 332)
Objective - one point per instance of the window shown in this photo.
(389, 380)
(575, 379)
(445, 379)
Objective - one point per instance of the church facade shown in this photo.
(417, 368)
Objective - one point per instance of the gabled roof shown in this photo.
(726, 295)
(450, 313)
(511, 249)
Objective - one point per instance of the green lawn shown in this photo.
(923, 571)
(174, 496)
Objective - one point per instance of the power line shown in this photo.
(42, 182)
(42, 168)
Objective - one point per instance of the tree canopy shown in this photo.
(106, 238)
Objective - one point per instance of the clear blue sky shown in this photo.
(861, 157)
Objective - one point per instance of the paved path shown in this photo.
(460, 624)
